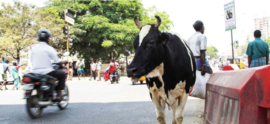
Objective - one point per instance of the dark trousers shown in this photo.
(61, 76)
(93, 74)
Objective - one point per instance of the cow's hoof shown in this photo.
(179, 120)
(174, 122)
(161, 120)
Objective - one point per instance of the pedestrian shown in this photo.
(15, 74)
(71, 71)
(3, 60)
(99, 66)
(79, 69)
(198, 44)
(93, 70)
(82, 69)
(257, 51)
(4, 75)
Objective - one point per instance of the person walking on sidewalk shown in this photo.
(71, 71)
(257, 51)
(4, 75)
(79, 69)
(82, 69)
(99, 66)
(15, 75)
(93, 70)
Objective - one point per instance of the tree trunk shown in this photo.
(117, 56)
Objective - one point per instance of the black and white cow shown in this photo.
(169, 66)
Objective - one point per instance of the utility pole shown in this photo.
(69, 19)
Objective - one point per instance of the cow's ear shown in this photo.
(164, 38)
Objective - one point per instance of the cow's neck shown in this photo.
(157, 72)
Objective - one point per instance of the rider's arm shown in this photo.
(55, 58)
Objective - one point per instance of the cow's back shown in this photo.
(179, 65)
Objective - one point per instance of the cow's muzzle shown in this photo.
(131, 71)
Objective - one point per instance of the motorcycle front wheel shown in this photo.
(65, 98)
(31, 106)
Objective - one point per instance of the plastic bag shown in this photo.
(199, 88)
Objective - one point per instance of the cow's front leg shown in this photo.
(178, 108)
(160, 108)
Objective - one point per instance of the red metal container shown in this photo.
(238, 97)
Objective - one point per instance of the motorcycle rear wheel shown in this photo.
(31, 107)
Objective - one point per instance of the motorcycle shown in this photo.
(114, 77)
(40, 92)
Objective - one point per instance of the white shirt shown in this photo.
(99, 65)
(41, 56)
(197, 42)
(93, 66)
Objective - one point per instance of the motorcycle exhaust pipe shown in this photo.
(40, 103)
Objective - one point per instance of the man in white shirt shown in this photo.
(198, 44)
(99, 66)
(41, 56)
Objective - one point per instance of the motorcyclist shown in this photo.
(41, 56)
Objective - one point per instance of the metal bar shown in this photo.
(232, 47)
(67, 55)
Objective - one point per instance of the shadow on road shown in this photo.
(95, 113)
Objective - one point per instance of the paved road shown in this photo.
(93, 102)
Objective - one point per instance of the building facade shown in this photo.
(263, 24)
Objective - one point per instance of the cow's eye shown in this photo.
(150, 43)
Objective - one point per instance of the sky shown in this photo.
(185, 12)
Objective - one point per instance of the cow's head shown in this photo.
(149, 51)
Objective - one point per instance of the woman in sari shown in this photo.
(15, 75)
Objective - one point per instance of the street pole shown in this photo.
(232, 48)
(67, 55)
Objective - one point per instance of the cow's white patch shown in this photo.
(177, 92)
(188, 51)
(157, 72)
(176, 100)
(144, 31)
(159, 98)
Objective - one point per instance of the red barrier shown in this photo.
(230, 67)
(238, 97)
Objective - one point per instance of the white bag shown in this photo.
(199, 88)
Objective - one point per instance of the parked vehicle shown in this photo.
(135, 80)
(37, 97)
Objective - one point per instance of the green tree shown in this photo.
(106, 28)
(242, 49)
(212, 51)
(268, 41)
(17, 31)
(19, 25)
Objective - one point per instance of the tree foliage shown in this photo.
(106, 28)
(268, 41)
(212, 51)
(19, 25)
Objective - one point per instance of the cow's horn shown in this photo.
(137, 22)
(158, 21)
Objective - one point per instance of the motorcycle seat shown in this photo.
(37, 77)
